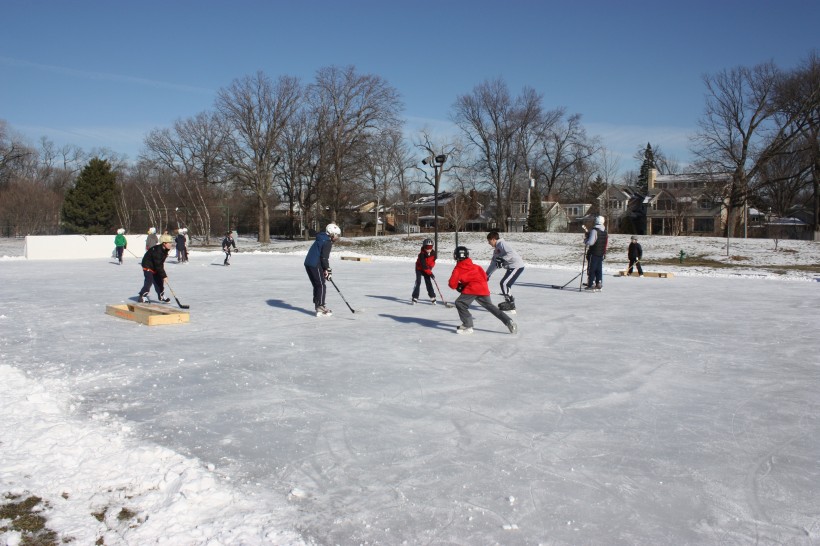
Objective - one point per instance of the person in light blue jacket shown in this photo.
(317, 265)
(505, 257)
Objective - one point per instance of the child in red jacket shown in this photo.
(424, 268)
(471, 280)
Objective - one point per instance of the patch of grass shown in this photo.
(126, 514)
(27, 521)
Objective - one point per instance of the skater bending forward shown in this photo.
(317, 265)
(153, 269)
(505, 257)
(425, 263)
(471, 281)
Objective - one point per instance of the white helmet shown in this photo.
(333, 230)
(152, 230)
(599, 220)
(120, 231)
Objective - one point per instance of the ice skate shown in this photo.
(143, 298)
(512, 327)
(415, 301)
(163, 298)
(433, 301)
(322, 311)
(464, 330)
(508, 306)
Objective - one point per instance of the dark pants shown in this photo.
(151, 279)
(317, 279)
(428, 281)
(634, 263)
(120, 250)
(463, 306)
(596, 270)
(227, 257)
(509, 278)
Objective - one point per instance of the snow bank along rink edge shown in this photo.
(82, 468)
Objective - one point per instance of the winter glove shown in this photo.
(328, 274)
(499, 262)
(460, 287)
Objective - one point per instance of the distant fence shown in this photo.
(73, 247)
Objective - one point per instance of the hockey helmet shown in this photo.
(427, 243)
(333, 230)
(152, 230)
(599, 220)
(120, 231)
(461, 253)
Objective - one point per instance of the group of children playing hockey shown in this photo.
(471, 281)
(468, 279)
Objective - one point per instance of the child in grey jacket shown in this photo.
(505, 257)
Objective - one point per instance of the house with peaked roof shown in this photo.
(692, 204)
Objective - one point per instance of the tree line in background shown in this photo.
(316, 149)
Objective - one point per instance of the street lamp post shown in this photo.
(436, 162)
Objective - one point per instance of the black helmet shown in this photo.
(427, 243)
(461, 253)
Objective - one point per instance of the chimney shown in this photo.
(653, 174)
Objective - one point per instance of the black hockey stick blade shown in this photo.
(180, 305)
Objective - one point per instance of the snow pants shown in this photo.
(317, 279)
(151, 279)
(428, 281)
(463, 302)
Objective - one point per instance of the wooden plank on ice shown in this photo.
(658, 274)
(150, 314)
(356, 258)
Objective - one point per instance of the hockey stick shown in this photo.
(340, 293)
(175, 296)
(447, 304)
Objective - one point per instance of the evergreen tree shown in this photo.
(648, 163)
(536, 221)
(89, 207)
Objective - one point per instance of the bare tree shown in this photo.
(494, 124)
(255, 112)
(348, 108)
(564, 147)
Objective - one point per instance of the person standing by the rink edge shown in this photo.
(182, 248)
(317, 265)
(634, 253)
(470, 281)
(121, 243)
(596, 242)
(504, 257)
(151, 239)
(227, 243)
(153, 269)
(425, 262)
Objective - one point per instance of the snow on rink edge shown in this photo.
(163, 493)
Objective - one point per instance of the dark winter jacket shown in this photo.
(180, 241)
(470, 278)
(635, 252)
(597, 241)
(154, 260)
(426, 262)
(319, 253)
(227, 242)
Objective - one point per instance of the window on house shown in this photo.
(705, 203)
(704, 225)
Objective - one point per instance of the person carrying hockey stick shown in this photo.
(425, 262)
(227, 242)
(634, 253)
(153, 269)
(470, 281)
(317, 265)
(596, 241)
(505, 257)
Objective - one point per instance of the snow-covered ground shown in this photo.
(659, 411)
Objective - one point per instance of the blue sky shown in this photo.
(105, 73)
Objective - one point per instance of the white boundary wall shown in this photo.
(74, 247)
